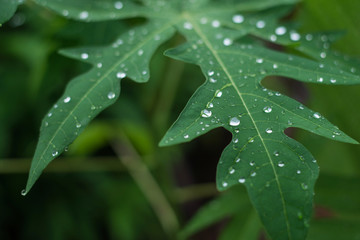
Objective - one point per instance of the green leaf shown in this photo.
(277, 171)
(7, 9)
(87, 95)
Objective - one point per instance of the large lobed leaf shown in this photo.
(278, 172)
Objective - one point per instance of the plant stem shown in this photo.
(148, 185)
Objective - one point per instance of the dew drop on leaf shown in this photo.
(259, 60)
(120, 75)
(298, 172)
(186, 136)
(280, 30)
(218, 93)
(83, 15)
(281, 164)
(320, 79)
(227, 42)
(206, 113)
(78, 125)
(238, 160)
(333, 80)
(67, 99)
(111, 95)
(118, 5)
(84, 56)
(55, 153)
(224, 184)
(215, 23)
(317, 115)
(260, 24)
(231, 170)
(238, 18)
(268, 130)
(242, 180)
(23, 192)
(252, 163)
(294, 36)
(276, 153)
(253, 174)
(234, 122)
(267, 109)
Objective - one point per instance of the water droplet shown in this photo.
(78, 125)
(235, 140)
(323, 54)
(276, 153)
(260, 24)
(83, 15)
(333, 80)
(231, 170)
(309, 37)
(120, 75)
(49, 114)
(118, 5)
(238, 18)
(210, 73)
(227, 42)
(210, 105)
(215, 23)
(275, 66)
(234, 122)
(99, 65)
(268, 130)
(67, 99)
(280, 30)
(317, 115)
(253, 174)
(304, 186)
(188, 26)
(273, 38)
(294, 36)
(212, 80)
(301, 107)
(267, 109)
(84, 56)
(281, 164)
(252, 163)
(23, 192)
(238, 160)
(218, 93)
(242, 180)
(55, 153)
(206, 113)
(259, 60)
(111, 95)
(224, 184)
(298, 172)
(320, 79)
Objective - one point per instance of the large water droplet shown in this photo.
(118, 5)
(234, 122)
(84, 56)
(111, 95)
(280, 30)
(83, 15)
(260, 24)
(267, 109)
(120, 75)
(242, 180)
(67, 99)
(238, 18)
(218, 93)
(227, 42)
(268, 130)
(317, 115)
(206, 113)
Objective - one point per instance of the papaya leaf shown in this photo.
(228, 40)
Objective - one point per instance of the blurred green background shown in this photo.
(88, 193)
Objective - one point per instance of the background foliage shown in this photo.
(87, 194)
